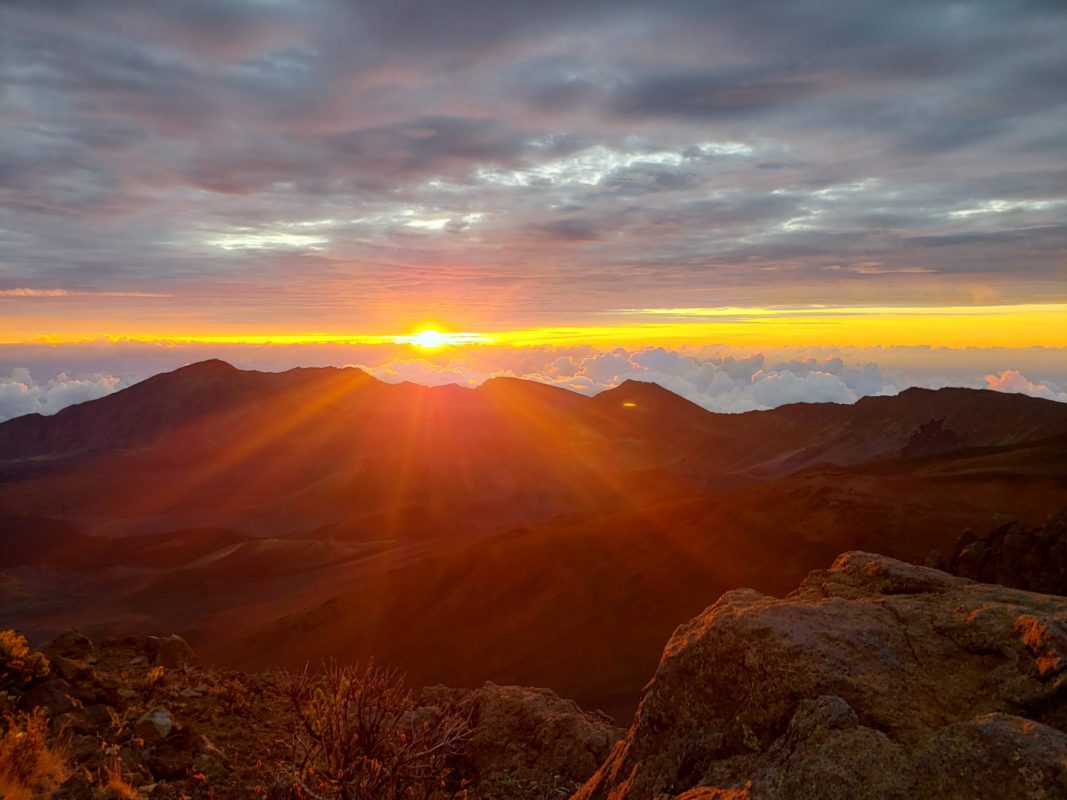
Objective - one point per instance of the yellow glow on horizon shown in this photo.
(1015, 326)
(430, 339)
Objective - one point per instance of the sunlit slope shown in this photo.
(308, 449)
(515, 532)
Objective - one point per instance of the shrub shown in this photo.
(359, 736)
(234, 695)
(28, 765)
(18, 664)
(153, 679)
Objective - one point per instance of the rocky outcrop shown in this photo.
(875, 679)
(141, 710)
(138, 711)
(1014, 554)
(932, 438)
(525, 742)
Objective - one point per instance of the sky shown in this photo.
(794, 180)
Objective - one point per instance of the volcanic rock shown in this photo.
(53, 695)
(170, 651)
(155, 725)
(1032, 558)
(875, 679)
(71, 644)
(526, 737)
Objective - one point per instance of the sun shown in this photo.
(429, 339)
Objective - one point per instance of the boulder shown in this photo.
(155, 725)
(527, 736)
(875, 679)
(1014, 555)
(71, 669)
(71, 644)
(173, 758)
(170, 651)
(53, 695)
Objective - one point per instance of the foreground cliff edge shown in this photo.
(875, 679)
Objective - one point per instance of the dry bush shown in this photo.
(359, 736)
(29, 767)
(18, 664)
(153, 679)
(235, 695)
(117, 787)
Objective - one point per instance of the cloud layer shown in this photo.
(352, 163)
(21, 393)
(719, 383)
(718, 380)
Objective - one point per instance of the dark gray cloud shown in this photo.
(247, 155)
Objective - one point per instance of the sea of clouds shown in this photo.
(49, 378)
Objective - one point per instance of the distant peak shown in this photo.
(511, 381)
(211, 365)
(637, 394)
(639, 389)
(647, 386)
(349, 371)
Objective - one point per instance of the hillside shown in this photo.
(319, 512)
(874, 679)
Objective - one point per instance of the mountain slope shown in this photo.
(273, 518)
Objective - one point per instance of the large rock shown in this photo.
(170, 651)
(526, 740)
(71, 644)
(155, 725)
(53, 695)
(1015, 555)
(876, 679)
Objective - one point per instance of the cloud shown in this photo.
(709, 96)
(26, 292)
(21, 394)
(718, 379)
(718, 383)
(421, 371)
(667, 155)
(777, 388)
(1014, 381)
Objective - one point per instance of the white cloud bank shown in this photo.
(21, 393)
(1013, 381)
(718, 381)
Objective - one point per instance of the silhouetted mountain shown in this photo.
(136, 415)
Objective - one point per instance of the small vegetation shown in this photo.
(235, 695)
(19, 665)
(359, 736)
(153, 679)
(116, 787)
(29, 766)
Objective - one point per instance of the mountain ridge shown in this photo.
(214, 385)
(263, 523)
